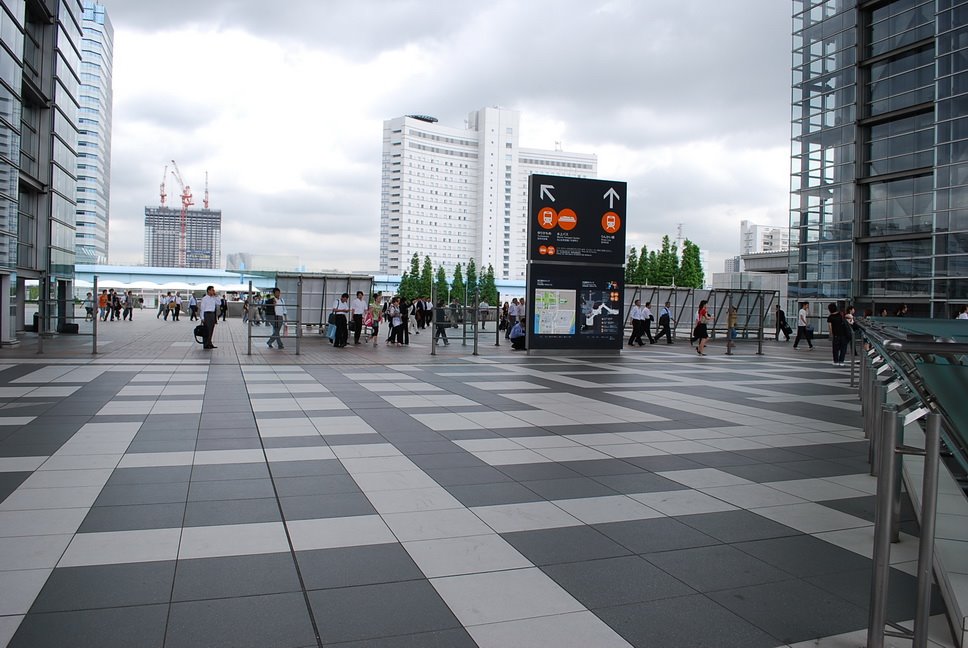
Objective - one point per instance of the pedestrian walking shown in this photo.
(665, 323)
(358, 308)
(804, 331)
(210, 304)
(701, 331)
(192, 307)
(223, 307)
(839, 334)
(637, 314)
(781, 325)
(276, 314)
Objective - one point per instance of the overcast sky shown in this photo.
(283, 104)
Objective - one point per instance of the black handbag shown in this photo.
(332, 319)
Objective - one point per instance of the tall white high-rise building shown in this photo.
(94, 135)
(754, 239)
(459, 193)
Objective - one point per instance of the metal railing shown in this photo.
(293, 304)
(893, 395)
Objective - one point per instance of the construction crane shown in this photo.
(164, 177)
(186, 199)
(205, 200)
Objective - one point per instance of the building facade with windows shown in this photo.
(454, 194)
(94, 136)
(40, 56)
(879, 207)
(202, 238)
(755, 238)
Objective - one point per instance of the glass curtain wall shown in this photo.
(880, 153)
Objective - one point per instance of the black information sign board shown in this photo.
(575, 307)
(576, 220)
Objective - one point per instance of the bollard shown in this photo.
(433, 318)
(97, 315)
(882, 527)
(929, 511)
(249, 323)
(299, 301)
(476, 315)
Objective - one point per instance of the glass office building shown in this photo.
(39, 83)
(879, 209)
(94, 137)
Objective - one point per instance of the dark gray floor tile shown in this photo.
(233, 576)
(105, 586)
(424, 448)
(172, 445)
(600, 467)
(491, 494)
(121, 627)
(133, 517)
(307, 468)
(567, 544)
(217, 472)
(776, 455)
(820, 468)
(530, 472)
(450, 459)
(439, 639)
(718, 459)
(315, 485)
(659, 534)
(718, 567)
(804, 555)
(793, 611)
(296, 442)
(372, 611)
(901, 592)
(158, 493)
(230, 489)
(663, 463)
(684, 622)
(642, 482)
(234, 443)
(570, 488)
(277, 620)
(243, 511)
(763, 472)
(615, 581)
(308, 507)
(467, 475)
(10, 481)
(855, 449)
(737, 526)
(351, 566)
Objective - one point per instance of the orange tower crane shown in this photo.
(205, 200)
(186, 199)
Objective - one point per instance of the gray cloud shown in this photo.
(644, 76)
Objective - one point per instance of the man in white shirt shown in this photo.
(513, 314)
(341, 309)
(210, 303)
(192, 307)
(802, 323)
(485, 308)
(636, 313)
(275, 309)
(648, 317)
(963, 315)
(358, 309)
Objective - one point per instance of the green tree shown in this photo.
(471, 276)
(426, 277)
(488, 287)
(631, 265)
(457, 287)
(415, 266)
(666, 262)
(690, 269)
(643, 269)
(408, 286)
(442, 288)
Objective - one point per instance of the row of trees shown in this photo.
(665, 267)
(417, 282)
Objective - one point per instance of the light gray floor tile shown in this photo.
(299, 454)
(115, 547)
(395, 480)
(365, 450)
(360, 465)
(412, 499)
(21, 464)
(339, 532)
(67, 478)
(41, 522)
(24, 499)
(152, 459)
(682, 502)
(18, 589)
(428, 525)
(704, 478)
(32, 552)
(492, 597)
(572, 630)
(505, 518)
(232, 540)
(465, 555)
(752, 495)
(599, 510)
(8, 627)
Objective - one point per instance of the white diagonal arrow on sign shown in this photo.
(612, 196)
(545, 189)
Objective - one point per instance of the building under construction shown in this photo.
(201, 237)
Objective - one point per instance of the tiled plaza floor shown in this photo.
(162, 496)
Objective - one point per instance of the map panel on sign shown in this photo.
(554, 312)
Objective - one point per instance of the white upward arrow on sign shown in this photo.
(612, 196)
(545, 190)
